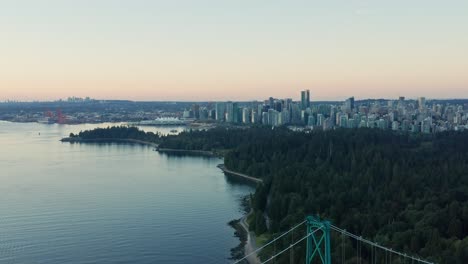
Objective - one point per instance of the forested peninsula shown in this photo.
(405, 191)
(115, 134)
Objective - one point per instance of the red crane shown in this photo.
(61, 119)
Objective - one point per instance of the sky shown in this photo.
(203, 50)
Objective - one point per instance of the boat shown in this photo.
(46, 120)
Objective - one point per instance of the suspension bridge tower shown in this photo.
(318, 240)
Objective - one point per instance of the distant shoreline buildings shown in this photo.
(401, 114)
(398, 115)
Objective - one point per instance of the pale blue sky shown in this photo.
(215, 50)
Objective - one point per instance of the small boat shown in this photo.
(46, 120)
(174, 131)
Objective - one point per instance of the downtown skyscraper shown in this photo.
(305, 99)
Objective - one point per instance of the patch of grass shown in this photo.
(262, 239)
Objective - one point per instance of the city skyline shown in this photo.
(295, 98)
(211, 50)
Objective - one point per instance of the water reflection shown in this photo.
(110, 203)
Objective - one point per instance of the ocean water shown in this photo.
(110, 203)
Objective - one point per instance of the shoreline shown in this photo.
(247, 238)
(200, 152)
(109, 140)
(250, 178)
(250, 244)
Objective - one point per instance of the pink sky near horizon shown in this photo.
(163, 51)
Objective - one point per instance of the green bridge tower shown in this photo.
(318, 240)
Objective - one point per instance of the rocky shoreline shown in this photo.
(241, 232)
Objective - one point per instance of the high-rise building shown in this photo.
(305, 99)
(196, 111)
(254, 117)
(304, 116)
(295, 114)
(233, 113)
(203, 113)
(220, 109)
(426, 125)
(287, 104)
(320, 119)
(271, 101)
(343, 120)
(285, 117)
(363, 123)
(401, 102)
(311, 121)
(349, 104)
(327, 124)
(272, 117)
(265, 120)
(187, 114)
(259, 113)
(382, 124)
(237, 113)
(278, 105)
(246, 115)
(212, 114)
(422, 103)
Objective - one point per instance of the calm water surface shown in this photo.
(111, 203)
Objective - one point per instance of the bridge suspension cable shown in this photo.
(373, 244)
(269, 243)
(290, 246)
(359, 242)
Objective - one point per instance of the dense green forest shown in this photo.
(409, 192)
(118, 132)
(211, 140)
(405, 191)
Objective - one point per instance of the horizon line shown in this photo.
(214, 101)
